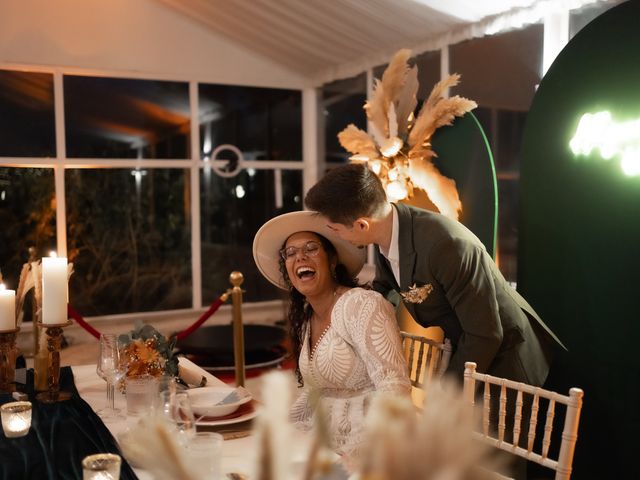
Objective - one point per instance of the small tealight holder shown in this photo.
(101, 466)
(16, 419)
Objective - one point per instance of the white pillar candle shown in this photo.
(7, 308)
(55, 292)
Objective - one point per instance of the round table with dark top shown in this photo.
(211, 347)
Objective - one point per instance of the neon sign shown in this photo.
(598, 131)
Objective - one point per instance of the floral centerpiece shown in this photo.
(147, 352)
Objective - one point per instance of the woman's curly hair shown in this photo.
(299, 311)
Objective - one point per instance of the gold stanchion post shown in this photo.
(236, 279)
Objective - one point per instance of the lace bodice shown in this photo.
(359, 353)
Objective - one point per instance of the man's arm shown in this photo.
(461, 268)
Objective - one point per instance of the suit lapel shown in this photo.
(384, 268)
(405, 246)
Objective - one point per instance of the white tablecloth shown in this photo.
(237, 454)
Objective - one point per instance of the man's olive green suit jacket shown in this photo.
(487, 321)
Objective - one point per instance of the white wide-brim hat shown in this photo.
(272, 235)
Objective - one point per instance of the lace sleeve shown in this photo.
(375, 336)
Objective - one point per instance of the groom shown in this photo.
(443, 273)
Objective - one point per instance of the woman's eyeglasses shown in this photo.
(309, 249)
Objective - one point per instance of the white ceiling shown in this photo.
(328, 39)
(312, 37)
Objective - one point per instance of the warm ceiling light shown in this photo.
(397, 191)
(390, 147)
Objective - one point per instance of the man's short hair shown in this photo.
(347, 193)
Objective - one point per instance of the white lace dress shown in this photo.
(358, 354)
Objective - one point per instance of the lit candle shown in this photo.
(7, 308)
(55, 292)
(16, 418)
(101, 466)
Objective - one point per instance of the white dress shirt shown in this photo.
(393, 254)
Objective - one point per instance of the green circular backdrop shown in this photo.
(579, 255)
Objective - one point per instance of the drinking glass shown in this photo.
(101, 466)
(204, 450)
(175, 407)
(141, 392)
(111, 367)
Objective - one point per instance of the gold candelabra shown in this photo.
(53, 394)
(8, 355)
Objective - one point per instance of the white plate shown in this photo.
(211, 422)
(204, 401)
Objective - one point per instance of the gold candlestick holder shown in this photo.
(8, 355)
(53, 394)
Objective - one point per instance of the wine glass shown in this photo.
(111, 367)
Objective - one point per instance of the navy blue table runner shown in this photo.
(61, 435)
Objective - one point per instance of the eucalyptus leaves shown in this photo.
(148, 351)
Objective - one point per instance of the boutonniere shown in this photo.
(417, 294)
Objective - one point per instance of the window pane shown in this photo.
(129, 238)
(500, 73)
(125, 118)
(342, 103)
(27, 126)
(233, 209)
(27, 217)
(264, 123)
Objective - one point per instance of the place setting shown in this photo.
(219, 406)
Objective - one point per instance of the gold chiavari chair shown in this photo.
(509, 439)
(426, 358)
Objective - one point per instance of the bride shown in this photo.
(345, 338)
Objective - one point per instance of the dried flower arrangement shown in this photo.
(31, 278)
(437, 443)
(148, 352)
(399, 148)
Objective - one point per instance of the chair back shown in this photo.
(426, 358)
(512, 414)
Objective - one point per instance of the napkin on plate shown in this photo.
(193, 375)
(236, 395)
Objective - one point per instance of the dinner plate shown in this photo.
(244, 413)
(206, 400)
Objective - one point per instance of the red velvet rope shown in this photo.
(81, 321)
(214, 306)
(203, 318)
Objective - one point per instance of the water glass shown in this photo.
(175, 407)
(204, 451)
(101, 466)
(141, 392)
(167, 382)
